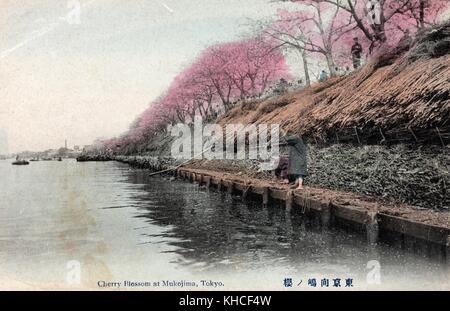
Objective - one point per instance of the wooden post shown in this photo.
(289, 200)
(265, 196)
(414, 135)
(245, 192)
(219, 185)
(383, 138)
(208, 181)
(356, 133)
(230, 187)
(325, 217)
(372, 229)
(440, 137)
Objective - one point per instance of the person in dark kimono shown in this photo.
(298, 166)
(356, 53)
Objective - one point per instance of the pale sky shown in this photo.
(60, 79)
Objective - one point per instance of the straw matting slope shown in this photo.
(410, 92)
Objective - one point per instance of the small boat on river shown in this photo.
(20, 162)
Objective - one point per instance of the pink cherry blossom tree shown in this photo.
(313, 30)
(221, 74)
(381, 22)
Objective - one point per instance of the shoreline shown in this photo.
(421, 231)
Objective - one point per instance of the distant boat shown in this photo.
(47, 159)
(20, 162)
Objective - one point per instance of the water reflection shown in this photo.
(216, 232)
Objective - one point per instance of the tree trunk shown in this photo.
(422, 14)
(305, 68)
(330, 64)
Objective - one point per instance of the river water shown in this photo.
(80, 225)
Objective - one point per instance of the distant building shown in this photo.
(76, 148)
(3, 142)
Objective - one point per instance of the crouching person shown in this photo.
(281, 172)
(298, 153)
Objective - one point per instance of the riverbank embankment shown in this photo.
(420, 230)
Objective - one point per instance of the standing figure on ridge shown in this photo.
(356, 53)
(323, 76)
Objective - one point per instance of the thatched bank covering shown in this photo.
(406, 100)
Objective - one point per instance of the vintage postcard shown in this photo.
(218, 145)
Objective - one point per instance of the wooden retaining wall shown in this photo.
(377, 225)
